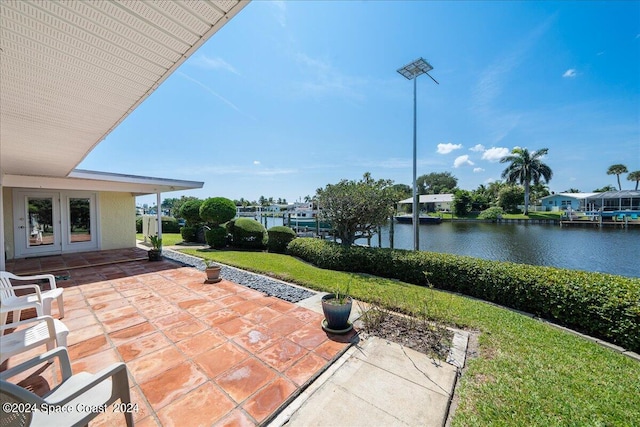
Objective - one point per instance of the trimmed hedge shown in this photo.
(247, 233)
(216, 237)
(602, 305)
(188, 233)
(169, 225)
(279, 238)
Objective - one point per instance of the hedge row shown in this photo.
(602, 305)
(169, 225)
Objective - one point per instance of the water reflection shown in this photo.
(605, 250)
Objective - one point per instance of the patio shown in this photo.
(219, 354)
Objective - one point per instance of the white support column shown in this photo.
(159, 215)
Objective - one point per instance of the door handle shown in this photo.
(22, 226)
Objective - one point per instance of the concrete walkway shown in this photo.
(376, 383)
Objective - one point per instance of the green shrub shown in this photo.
(138, 224)
(188, 233)
(491, 213)
(247, 233)
(190, 211)
(279, 238)
(170, 225)
(217, 210)
(216, 237)
(602, 305)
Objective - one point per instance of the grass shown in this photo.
(526, 372)
(168, 239)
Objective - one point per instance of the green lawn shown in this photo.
(168, 239)
(526, 373)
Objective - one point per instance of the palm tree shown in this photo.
(525, 168)
(617, 170)
(634, 176)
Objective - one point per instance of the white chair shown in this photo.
(39, 299)
(76, 401)
(32, 333)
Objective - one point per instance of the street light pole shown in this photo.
(411, 72)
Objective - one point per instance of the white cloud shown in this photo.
(478, 170)
(448, 147)
(570, 73)
(461, 161)
(205, 61)
(256, 162)
(494, 154)
(279, 9)
(477, 148)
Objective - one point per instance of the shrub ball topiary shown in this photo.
(248, 233)
(188, 234)
(217, 237)
(217, 210)
(279, 238)
(190, 211)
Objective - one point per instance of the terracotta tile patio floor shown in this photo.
(197, 354)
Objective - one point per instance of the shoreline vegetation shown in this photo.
(524, 372)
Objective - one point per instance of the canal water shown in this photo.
(606, 250)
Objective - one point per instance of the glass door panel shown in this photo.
(79, 219)
(41, 230)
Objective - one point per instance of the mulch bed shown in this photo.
(417, 334)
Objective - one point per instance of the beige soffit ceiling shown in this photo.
(71, 71)
(80, 179)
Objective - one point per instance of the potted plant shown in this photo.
(155, 253)
(337, 309)
(213, 271)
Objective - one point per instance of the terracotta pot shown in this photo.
(213, 274)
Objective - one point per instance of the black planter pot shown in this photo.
(155, 254)
(336, 315)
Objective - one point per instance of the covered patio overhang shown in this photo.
(71, 72)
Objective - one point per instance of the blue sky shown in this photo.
(292, 96)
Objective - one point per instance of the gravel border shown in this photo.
(258, 282)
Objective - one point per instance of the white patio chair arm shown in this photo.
(59, 352)
(117, 370)
(48, 319)
(50, 277)
(36, 288)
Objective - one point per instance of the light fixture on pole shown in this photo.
(411, 72)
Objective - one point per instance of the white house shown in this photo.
(69, 74)
(432, 202)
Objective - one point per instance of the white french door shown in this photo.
(48, 223)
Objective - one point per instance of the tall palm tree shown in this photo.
(525, 168)
(617, 170)
(634, 176)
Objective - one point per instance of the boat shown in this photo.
(304, 216)
(423, 219)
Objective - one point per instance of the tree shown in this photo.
(461, 202)
(190, 211)
(356, 209)
(525, 168)
(604, 189)
(572, 190)
(436, 183)
(634, 176)
(403, 191)
(617, 170)
(510, 197)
